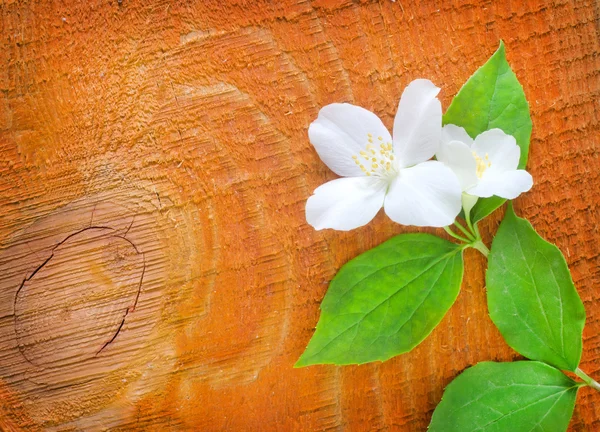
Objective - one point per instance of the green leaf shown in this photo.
(513, 397)
(492, 98)
(485, 206)
(531, 296)
(386, 301)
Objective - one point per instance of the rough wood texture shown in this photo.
(156, 270)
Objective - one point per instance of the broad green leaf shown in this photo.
(531, 296)
(492, 98)
(386, 301)
(523, 396)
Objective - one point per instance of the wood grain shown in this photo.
(156, 269)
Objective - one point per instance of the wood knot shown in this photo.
(75, 303)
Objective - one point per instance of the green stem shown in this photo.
(480, 247)
(589, 381)
(475, 229)
(456, 236)
(467, 233)
(472, 226)
(468, 219)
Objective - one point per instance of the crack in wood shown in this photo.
(47, 260)
(116, 333)
(139, 290)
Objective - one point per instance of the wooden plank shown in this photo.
(156, 269)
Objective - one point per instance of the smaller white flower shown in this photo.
(381, 171)
(485, 166)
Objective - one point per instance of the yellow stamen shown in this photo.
(376, 161)
(481, 164)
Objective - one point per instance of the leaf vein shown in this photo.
(424, 299)
(520, 409)
(535, 288)
(357, 323)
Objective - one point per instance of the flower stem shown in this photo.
(467, 233)
(475, 229)
(472, 226)
(588, 381)
(478, 244)
(456, 236)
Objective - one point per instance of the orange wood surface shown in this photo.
(155, 154)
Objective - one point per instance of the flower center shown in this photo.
(377, 159)
(482, 164)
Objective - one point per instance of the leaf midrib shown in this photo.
(495, 387)
(537, 294)
(559, 394)
(351, 287)
(433, 264)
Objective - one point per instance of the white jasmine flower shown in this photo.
(485, 166)
(381, 171)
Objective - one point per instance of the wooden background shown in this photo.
(154, 167)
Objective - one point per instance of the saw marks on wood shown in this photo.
(86, 283)
(252, 274)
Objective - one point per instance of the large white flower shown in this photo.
(379, 170)
(485, 166)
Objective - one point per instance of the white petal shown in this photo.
(418, 123)
(509, 184)
(340, 131)
(459, 158)
(452, 132)
(427, 194)
(346, 203)
(501, 148)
